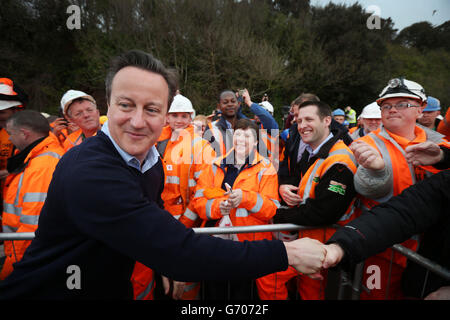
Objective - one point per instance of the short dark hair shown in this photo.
(144, 61)
(323, 109)
(31, 120)
(226, 91)
(305, 97)
(245, 124)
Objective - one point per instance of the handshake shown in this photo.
(309, 256)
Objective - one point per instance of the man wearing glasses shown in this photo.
(81, 109)
(384, 171)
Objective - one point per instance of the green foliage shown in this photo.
(278, 47)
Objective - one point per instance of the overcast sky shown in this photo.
(403, 12)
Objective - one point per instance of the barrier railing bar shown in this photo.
(424, 262)
(251, 229)
(414, 256)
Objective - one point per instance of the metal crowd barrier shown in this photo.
(351, 281)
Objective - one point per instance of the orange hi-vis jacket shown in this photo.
(74, 139)
(339, 153)
(183, 161)
(444, 125)
(391, 147)
(24, 196)
(6, 149)
(260, 200)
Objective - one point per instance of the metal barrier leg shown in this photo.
(357, 281)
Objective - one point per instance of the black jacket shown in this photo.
(102, 216)
(328, 206)
(421, 208)
(287, 173)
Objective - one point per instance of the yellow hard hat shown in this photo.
(103, 119)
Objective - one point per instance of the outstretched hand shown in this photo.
(306, 256)
(367, 156)
(424, 154)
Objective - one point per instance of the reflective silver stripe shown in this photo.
(388, 162)
(9, 229)
(146, 291)
(344, 152)
(348, 215)
(261, 173)
(214, 169)
(190, 215)
(76, 141)
(198, 193)
(310, 180)
(192, 183)
(197, 174)
(51, 154)
(241, 213)
(258, 205)
(173, 179)
(34, 197)
(177, 216)
(277, 203)
(385, 135)
(33, 220)
(208, 208)
(19, 186)
(11, 209)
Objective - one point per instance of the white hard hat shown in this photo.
(181, 104)
(6, 89)
(71, 95)
(371, 111)
(400, 87)
(267, 105)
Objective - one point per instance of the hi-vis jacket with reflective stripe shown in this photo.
(24, 195)
(183, 161)
(403, 175)
(73, 139)
(259, 185)
(339, 153)
(6, 148)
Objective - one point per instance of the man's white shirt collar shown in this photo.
(150, 160)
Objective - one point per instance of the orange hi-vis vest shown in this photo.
(392, 149)
(341, 154)
(74, 139)
(24, 196)
(6, 150)
(183, 161)
(444, 125)
(259, 183)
